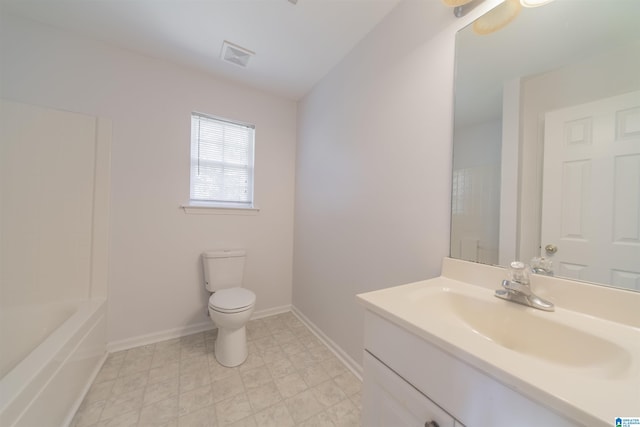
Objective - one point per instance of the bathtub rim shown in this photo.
(25, 381)
(12, 314)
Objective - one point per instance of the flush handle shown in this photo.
(431, 424)
(551, 249)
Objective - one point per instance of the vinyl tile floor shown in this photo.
(289, 379)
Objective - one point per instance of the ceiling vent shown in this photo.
(235, 54)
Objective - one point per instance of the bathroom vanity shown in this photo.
(446, 351)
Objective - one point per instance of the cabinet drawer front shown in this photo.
(388, 400)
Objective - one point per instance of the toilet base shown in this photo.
(231, 346)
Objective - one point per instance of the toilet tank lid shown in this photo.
(226, 253)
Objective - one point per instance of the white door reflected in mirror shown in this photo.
(591, 190)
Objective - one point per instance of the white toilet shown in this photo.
(230, 305)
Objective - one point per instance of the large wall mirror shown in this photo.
(546, 150)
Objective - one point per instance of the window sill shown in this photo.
(203, 209)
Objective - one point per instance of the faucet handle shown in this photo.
(519, 272)
(518, 289)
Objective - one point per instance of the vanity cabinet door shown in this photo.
(388, 400)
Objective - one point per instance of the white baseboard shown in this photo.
(271, 312)
(155, 337)
(168, 334)
(353, 366)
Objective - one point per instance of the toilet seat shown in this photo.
(232, 300)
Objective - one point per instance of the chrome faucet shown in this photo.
(518, 288)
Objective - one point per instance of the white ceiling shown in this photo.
(294, 45)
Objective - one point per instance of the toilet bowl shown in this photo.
(230, 305)
(230, 310)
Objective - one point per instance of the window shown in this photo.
(461, 191)
(221, 162)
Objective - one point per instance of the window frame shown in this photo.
(203, 206)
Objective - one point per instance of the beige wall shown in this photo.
(374, 170)
(155, 278)
(372, 173)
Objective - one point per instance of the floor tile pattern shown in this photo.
(289, 379)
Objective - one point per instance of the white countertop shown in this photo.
(597, 380)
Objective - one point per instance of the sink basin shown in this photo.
(582, 360)
(527, 331)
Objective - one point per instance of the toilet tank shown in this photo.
(223, 269)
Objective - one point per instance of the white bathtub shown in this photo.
(46, 386)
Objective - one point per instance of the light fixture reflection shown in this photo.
(534, 3)
(497, 18)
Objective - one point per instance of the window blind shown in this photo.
(221, 161)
